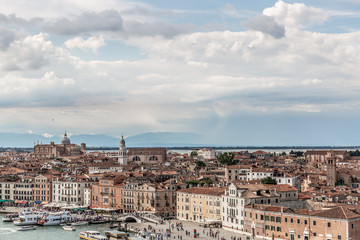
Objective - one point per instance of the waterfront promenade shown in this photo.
(180, 230)
(178, 233)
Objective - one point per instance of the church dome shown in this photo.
(65, 140)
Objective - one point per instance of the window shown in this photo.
(136, 158)
(278, 229)
(305, 222)
(267, 227)
(278, 219)
(291, 220)
(298, 221)
(261, 217)
(153, 158)
(272, 228)
(266, 218)
(339, 237)
(329, 224)
(314, 223)
(272, 218)
(314, 234)
(299, 236)
(285, 219)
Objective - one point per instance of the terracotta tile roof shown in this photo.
(260, 152)
(204, 191)
(282, 188)
(324, 152)
(269, 208)
(342, 212)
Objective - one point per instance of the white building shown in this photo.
(238, 196)
(259, 173)
(104, 168)
(70, 191)
(290, 179)
(204, 153)
(87, 196)
(7, 190)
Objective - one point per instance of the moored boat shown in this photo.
(80, 223)
(55, 219)
(69, 228)
(28, 218)
(115, 235)
(98, 220)
(91, 235)
(27, 228)
(10, 217)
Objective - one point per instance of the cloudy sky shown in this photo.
(240, 72)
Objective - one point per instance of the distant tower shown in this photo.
(122, 152)
(331, 168)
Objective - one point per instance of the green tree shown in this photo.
(200, 164)
(268, 180)
(227, 158)
(193, 182)
(193, 154)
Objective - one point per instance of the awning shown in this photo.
(10, 200)
(17, 201)
(44, 202)
(24, 202)
(37, 201)
(3, 200)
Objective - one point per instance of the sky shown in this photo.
(235, 72)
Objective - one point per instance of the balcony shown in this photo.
(105, 193)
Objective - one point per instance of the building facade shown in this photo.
(199, 204)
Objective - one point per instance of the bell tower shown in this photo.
(122, 159)
(331, 168)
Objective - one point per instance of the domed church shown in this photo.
(52, 150)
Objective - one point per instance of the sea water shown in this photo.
(8, 231)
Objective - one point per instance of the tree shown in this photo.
(227, 158)
(200, 164)
(193, 182)
(268, 180)
(193, 154)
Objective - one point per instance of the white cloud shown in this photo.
(92, 43)
(311, 81)
(31, 52)
(296, 14)
(47, 135)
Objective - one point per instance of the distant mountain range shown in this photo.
(156, 139)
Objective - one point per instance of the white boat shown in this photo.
(69, 228)
(10, 217)
(55, 219)
(27, 228)
(91, 235)
(28, 218)
(80, 223)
